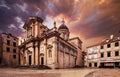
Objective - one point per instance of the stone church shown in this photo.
(49, 47)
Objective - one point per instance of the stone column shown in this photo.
(38, 28)
(33, 30)
(57, 55)
(45, 53)
(54, 53)
(26, 54)
(38, 53)
(34, 48)
(22, 60)
(23, 57)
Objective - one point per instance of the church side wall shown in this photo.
(66, 56)
(60, 59)
(66, 60)
(49, 55)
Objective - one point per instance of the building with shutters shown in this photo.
(104, 54)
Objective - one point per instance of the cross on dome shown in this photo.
(63, 20)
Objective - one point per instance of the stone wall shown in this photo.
(10, 57)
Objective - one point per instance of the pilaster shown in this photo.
(54, 53)
(38, 53)
(34, 48)
(45, 53)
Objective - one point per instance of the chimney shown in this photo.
(111, 36)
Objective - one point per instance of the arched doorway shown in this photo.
(30, 58)
(90, 64)
(41, 59)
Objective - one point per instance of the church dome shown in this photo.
(64, 31)
(63, 26)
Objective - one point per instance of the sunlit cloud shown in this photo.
(87, 19)
(101, 1)
(12, 26)
(22, 7)
(3, 4)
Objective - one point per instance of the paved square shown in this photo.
(87, 72)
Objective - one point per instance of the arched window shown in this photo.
(90, 64)
(50, 53)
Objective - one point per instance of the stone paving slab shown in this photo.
(10, 72)
(105, 73)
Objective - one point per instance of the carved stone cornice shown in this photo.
(49, 46)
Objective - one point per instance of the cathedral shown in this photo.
(49, 47)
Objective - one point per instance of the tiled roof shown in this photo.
(95, 45)
(106, 41)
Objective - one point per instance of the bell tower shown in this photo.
(34, 27)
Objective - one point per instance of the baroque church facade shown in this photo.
(49, 47)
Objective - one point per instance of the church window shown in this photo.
(50, 53)
(29, 32)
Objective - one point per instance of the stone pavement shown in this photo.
(104, 73)
(10, 72)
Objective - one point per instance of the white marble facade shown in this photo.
(49, 47)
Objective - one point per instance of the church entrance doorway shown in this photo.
(30, 60)
(42, 60)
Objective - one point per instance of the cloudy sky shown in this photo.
(91, 20)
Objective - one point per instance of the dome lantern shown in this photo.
(63, 30)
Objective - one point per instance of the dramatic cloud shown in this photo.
(88, 19)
